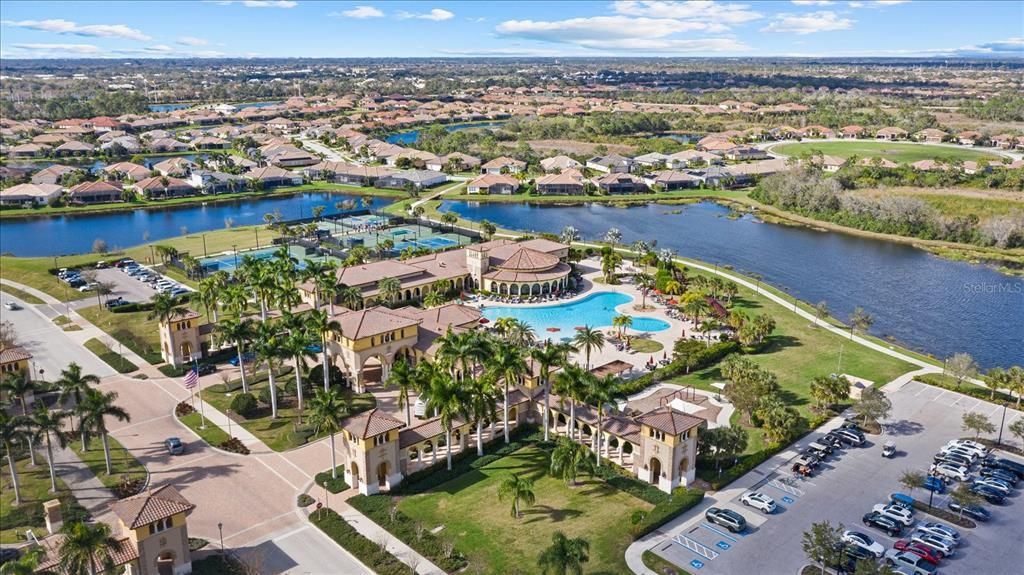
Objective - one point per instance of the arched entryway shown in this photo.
(165, 563)
(373, 370)
(655, 466)
(382, 474)
(513, 416)
(186, 351)
(354, 469)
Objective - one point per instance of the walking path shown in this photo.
(437, 194)
(85, 486)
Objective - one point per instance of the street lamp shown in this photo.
(1002, 420)
(257, 229)
(204, 246)
(220, 529)
(234, 250)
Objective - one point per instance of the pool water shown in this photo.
(596, 310)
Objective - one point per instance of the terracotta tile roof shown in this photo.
(437, 319)
(371, 423)
(97, 187)
(13, 354)
(123, 551)
(526, 259)
(669, 420)
(371, 321)
(427, 430)
(151, 506)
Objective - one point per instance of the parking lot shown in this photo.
(843, 489)
(128, 288)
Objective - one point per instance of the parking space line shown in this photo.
(709, 527)
(695, 547)
(976, 404)
(923, 389)
(994, 410)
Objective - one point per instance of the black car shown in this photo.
(9, 554)
(991, 495)
(953, 458)
(1002, 474)
(207, 368)
(832, 439)
(882, 523)
(1001, 463)
(116, 302)
(975, 512)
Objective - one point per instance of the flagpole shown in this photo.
(199, 390)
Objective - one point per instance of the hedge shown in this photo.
(704, 358)
(681, 501)
(370, 553)
(324, 479)
(379, 509)
(975, 391)
(623, 481)
(244, 404)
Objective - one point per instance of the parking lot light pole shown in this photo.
(1002, 420)
(220, 529)
(204, 247)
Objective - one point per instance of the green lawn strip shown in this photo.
(895, 151)
(34, 486)
(211, 434)
(34, 272)
(643, 345)
(21, 294)
(213, 241)
(482, 528)
(122, 463)
(111, 358)
(368, 552)
(975, 391)
(282, 433)
(655, 563)
(133, 329)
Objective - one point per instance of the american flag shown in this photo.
(192, 379)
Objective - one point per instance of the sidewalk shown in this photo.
(85, 486)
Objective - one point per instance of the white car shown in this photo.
(973, 452)
(896, 513)
(970, 444)
(759, 501)
(940, 529)
(970, 454)
(88, 287)
(10, 305)
(419, 408)
(865, 542)
(936, 542)
(957, 472)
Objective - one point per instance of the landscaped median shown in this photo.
(127, 476)
(110, 357)
(370, 553)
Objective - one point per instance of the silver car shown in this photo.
(759, 501)
(945, 546)
(940, 529)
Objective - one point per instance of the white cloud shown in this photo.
(359, 12)
(876, 3)
(58, 26)
(260, 3)
(856, 4)
(159, 48)
(622, 33)
(809, 23)
(87, 49)
(890, 2)
(697, 10)
(437, 15)
(192, 41)
(812, 2)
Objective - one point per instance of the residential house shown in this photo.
(611, 164)
(127, 171)
(652, 160)
(852, 132)
(273, 176)
(671, 180)
(503, 164)
(743, 153)
(567, 183)
(493, 184)
(969, 138)
(419, 179)
(52, 174)
(178, 167)
(413, 158)
(211, 182)
(98, 192)
(210, 143)
(127, 144)
(828, 163)
(30, 194)
(457, 160)
(879, 162)
(931, 136)
(559, 163)
(971, 167)
(164, 187)
(619, 183)
(14, 359)
(687, 158)
(167, 145)
(1004, 141)
(73, 148)
(28, 151)
(344, 173)
(891, 133)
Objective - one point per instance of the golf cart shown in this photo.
(889, 449)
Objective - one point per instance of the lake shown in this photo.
(410, 136)
(925, 302)
(72, 234)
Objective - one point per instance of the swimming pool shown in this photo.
(595, 310)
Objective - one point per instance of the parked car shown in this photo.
(935, 483)
(882, 523)
(115, 302)
(916, 563)
(949, 470)
(759, 501)
(940, 529)
(975, 512)
(9, 554)
(970, 444)
(961, 450)
(936, 542)
(207, 368)
(174, 446)
(991, 495)
(850, 437)
(995, 484)
(952, 459)
(123, 263)
(864, 541)
(247, 357)
(727, 518)
(896, 513)
(1002, 463)
(11, 305)
(902, 500)
(823, 449)
(807, 460)
(88, 286)
(923, 551)
(831, 438)
(419, 408)
(178, 291)
(1005, 475)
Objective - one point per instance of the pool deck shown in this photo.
(591, 270)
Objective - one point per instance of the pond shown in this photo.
(924, 302)
(73, 234)
(410, 136)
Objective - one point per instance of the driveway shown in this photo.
(922, 420)
(301, 550)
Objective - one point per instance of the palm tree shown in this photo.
(349, 296)
(589, 340)
(390, 289)
(507, 363)
(321, 274)
(96, 408)
(601, 391)
(644, 282)
(516, 332)
(548, 357)
(447, 397)
(403, 376)
(696, 307)
(268, 344)
(87, 549)
(622, 322)
(461, 351)
(26, 564)
(518, 489)
(565, 556)
(482, 403)
(12, 430)
(706, 327)
(568, 459)
(47, 425)
(165, 308)
(319, 322)
(74, 385)
(18, 386)
(296, 346)
(327, 409)
(570, 384)
(238, 332)
(210, 289)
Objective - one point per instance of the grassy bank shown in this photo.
(905, 152)
(20, 294)
(210, 433)
(134, 330)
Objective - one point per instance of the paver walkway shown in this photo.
(87, 489)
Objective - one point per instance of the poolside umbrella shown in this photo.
(484, 320)
(672, 302)
(657, 292)
(554, 329)
(664, 355)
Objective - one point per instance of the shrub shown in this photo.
(184, 408)
(128, 487)
(379, 509)
(369, 552)
(682, 500)
(484, 460)
(264, 396)
(317, 375)
(244, 404)
(305, 500)
(637, 516)
(234, 445)
(195, 543)
(620, 479)
(700, 359)
(323, 479)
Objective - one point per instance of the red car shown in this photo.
(923, 551)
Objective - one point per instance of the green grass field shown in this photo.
(122, 462)
(903, 152)
(482, 527)
(132, 329)
(34, 485)
(110, 357)
(20, 294)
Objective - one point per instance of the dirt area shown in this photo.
(958, 121)
(1007, 195)
(576, 147)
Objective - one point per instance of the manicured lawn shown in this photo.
(211, 434)
(20, 294)
(904, 152)
(216, 241)
(34, 272)
(282, 433)
(481, 526)
(642, 345)
(655, 563)
(133, 329)
(111, 358)
(34, 484)
(122, 463)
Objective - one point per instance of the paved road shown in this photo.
(301, 550)
(328, 153)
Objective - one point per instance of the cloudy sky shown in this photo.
(308, 28)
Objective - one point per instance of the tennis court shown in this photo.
(434, 243)
(229, 261)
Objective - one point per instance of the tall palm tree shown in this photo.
(87, 548)
(390, 289)
(321, 274)
(268, 347)
(549, 356)
(570, 384)
(517, 489)
(235, 299)
(622, 322)
(12, 430)
(447, 397)
(518, 333)
(47, 425)
(18, 386)
(706, 327)
(568, 459)
(319, 322)
(165, 308)
(482, 403)
(403, 376)
(460, 352)
(600, 392)
(589, 340)
(210, 290)
(644, 282)
(238, 332)
(74, 385)
(327, 409)
(696, 307)
(565, 556)
(350, 296)
(96, 408)
(507, 363)
(296, 346)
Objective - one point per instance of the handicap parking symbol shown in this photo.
(696, 563)
(723, 545)
(787, 499)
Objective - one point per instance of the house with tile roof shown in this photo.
(30, 194)
(493, 184)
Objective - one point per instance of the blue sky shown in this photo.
(365, 28)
